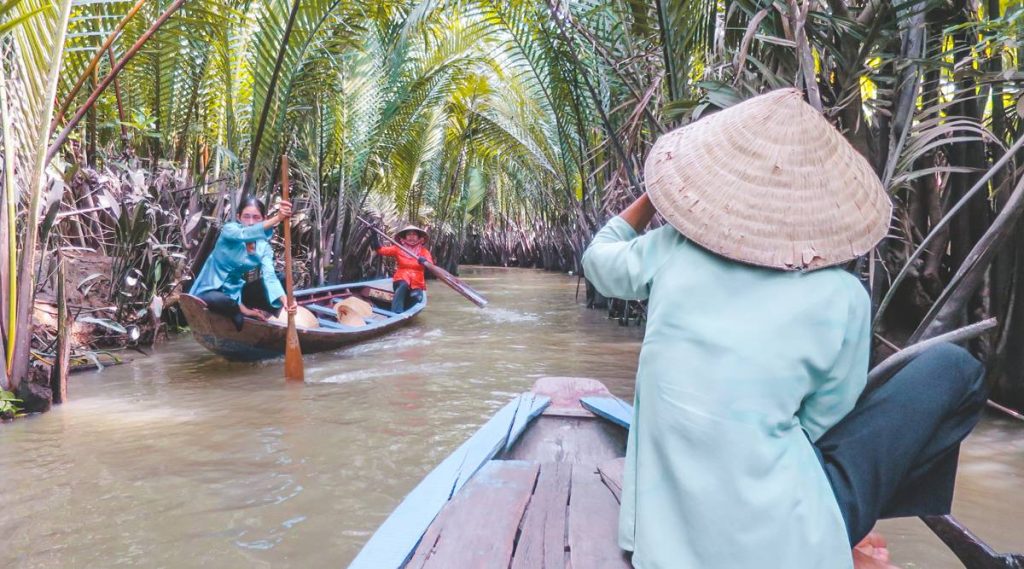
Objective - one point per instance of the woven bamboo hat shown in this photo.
(420, 230)
(353, 311)
(303, 318)
(769, 182)
(360, 306)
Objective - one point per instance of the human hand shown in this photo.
(293, 308)
(423, 261)
(872, 553)
(252, 313)
(285, 210)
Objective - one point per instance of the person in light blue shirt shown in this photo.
(242, 248)
(754, 442)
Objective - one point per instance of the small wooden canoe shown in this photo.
(537, 487)
(262, 340)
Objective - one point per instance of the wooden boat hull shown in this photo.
(539, 485)
(259, 340)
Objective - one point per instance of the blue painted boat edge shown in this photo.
(610, 408)
(523, 419)
(374, 283)
(396, 539)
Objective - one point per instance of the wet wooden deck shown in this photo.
(528, 515)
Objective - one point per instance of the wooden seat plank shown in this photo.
(394, 541)
(542, 543)
(565, 394)
(477, 528)
(382, 312)
(562, 439)
(593, 523)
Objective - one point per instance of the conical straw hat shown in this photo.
(353, 311)
(359, 306)
(419, 230)
(769, 182)
(303, 318)
(348, 316)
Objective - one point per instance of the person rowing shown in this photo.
(754, 443)
(242, 247)
(409, 281)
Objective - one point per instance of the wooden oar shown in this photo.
(441, 274)
(293, 370)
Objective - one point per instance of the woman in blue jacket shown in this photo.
(227, 283)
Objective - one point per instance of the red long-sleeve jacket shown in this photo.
(409, 268)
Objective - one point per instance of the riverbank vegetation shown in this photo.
(511, 129)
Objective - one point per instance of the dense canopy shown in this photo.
(511, 128)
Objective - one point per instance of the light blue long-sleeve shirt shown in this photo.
(737, 364)
(230, 260)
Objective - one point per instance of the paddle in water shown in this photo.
(293, 369)
(441, 274)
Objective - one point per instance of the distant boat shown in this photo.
(538, 485)
(260, 340)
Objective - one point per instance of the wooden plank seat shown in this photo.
(526, 515)
(478, 527)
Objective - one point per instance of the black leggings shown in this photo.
(254, 295)
(404, 297)
(895, 454)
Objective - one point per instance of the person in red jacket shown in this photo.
(408, 279)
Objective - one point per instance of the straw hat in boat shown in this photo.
(353, 311)
(303, 318)
(410, 227)
(769, 182)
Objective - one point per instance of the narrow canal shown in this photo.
(181, 459)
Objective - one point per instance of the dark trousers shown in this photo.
(404, 297)
(895, 454)
(254, 295)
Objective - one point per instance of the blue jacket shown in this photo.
(227, 265)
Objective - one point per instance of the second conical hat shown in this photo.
(359, 306)
(769, 182)
(420, 230)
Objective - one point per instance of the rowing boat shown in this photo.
(538, 486)
(258, 340)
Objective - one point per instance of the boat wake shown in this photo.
(420, 370)
(505, 315)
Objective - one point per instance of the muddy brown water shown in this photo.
(184, 460)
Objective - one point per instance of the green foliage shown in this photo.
(9, 405)
(528, 120)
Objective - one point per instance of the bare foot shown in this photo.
(872, 553)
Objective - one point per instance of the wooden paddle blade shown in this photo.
(293, 366)
(457, 285)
